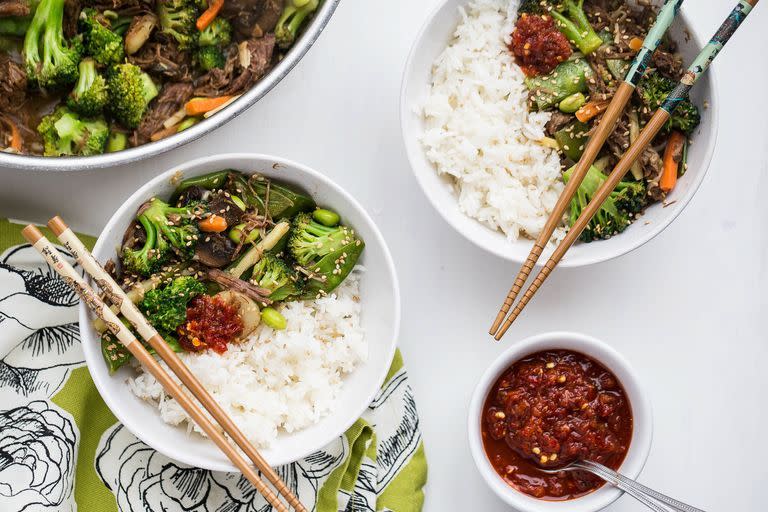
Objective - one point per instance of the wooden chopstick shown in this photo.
(605, 127)
(118, 297)
(33, 235)
(649, 132)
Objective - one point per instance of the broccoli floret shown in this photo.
(177, 20)
(275, 275)
(632, 196)
(168, 230)
(218, 33)
(654, 89)
(570, 19)
(66, 134)
(293, 16)
(615, 214)
(99, 41)
(130, 91)
(50, 60)
(210, 57)
(311, 241)
(532, 7)
(90, 93)
(166, 307)
(174, 224)
(148, 259)
(327, 253)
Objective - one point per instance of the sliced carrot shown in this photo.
(15, 137)
(210, 14)
(636, 43)
(213, 224)
(673, 154)
(199, 106)
(591, 109)
(16, 140)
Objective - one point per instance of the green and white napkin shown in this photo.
(61, 449)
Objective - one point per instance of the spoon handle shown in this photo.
(642, 498)
(624, 483)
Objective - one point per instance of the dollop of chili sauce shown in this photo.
(537, 45)
(548, 410)
(211, 323)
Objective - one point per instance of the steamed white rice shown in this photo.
(277, 380)
(479, 132)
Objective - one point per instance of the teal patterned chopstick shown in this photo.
(708, 54)
(664, 19)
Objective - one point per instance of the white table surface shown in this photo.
(688, 309)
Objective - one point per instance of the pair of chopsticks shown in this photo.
(605, 127)
(118, 297)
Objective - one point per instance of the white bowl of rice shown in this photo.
(472, 143)
(292, 391)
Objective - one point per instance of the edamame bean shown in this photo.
(273, 319)
(326, 217)
(572, 103)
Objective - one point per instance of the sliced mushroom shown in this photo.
(221, 205)
(214, 250)
(246, 308)
(139, 31)
(193, 193)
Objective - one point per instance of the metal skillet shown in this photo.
(254, 94)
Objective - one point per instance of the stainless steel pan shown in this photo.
(258, 91)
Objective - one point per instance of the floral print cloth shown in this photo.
(61, 449)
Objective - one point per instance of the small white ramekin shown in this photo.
(642, 433)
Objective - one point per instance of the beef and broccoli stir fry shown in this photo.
(575, 53)
(84, 77)
(216, 260)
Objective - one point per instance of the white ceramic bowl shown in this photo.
(641, 412)
(380, 298)
(432, 40)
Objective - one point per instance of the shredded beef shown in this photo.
(72, 10)
(119, 5)
(172, 97)
(652, 168)
(164, 59)
(668, 64)
(235, 78)
(268, 18)
(13, 84)
(243, 14)
(557, 122)
(13, 8)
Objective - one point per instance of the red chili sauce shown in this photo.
(548, 410)
(537, 45)
(211, 323)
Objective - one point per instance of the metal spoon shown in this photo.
(650, 498)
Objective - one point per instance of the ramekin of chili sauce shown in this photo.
(545, 403)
